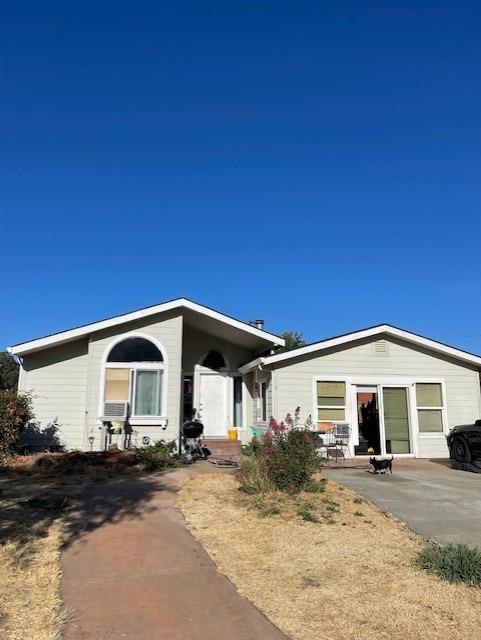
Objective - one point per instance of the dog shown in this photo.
(381, 465)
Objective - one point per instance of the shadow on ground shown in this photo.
(31, 503)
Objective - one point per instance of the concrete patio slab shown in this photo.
(431, 498)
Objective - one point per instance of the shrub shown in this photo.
(282, 459)
(252, 475)
(158, 456)
(315, 486)
(252, 447)
(289, 460)
(453, 562)
(15, 413)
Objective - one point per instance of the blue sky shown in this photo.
(313, 163)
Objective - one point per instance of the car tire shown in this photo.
(460, 450)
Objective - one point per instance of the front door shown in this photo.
(212, 401)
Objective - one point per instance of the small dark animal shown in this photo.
(381, 465)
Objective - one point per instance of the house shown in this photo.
(133, 379)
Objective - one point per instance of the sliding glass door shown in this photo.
(383, 420)
(396, 420)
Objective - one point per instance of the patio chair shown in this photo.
(337, 441)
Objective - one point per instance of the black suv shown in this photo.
(464, 442)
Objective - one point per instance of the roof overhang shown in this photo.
(362, 334)
(239, 329)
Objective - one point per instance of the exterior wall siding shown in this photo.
(166, 329)
(293, 381)
(57, 379)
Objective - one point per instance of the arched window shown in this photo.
(135, 350)
(214, 360)
(134, 373)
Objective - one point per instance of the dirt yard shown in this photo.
(348, 573)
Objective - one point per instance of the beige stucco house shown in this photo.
(144, 372)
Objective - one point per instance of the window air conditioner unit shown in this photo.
(115, 411)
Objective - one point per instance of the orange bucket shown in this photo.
(232, 434)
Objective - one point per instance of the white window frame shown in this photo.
(244, 404)
(142, 366)
(442, 409)
(260, 381)
(133, 367)
(383, 381)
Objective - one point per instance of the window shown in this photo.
(135, 350)
(134, 373)
(262, 401)
(188, 413)
(117, 385)
(430, 405)
(238, 416)
(331, 401)
(214, 360)
(147, 393)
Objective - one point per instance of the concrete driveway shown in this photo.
(432, 499)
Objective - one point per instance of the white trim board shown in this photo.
(180, 303)
(386, 329)
(160, 366)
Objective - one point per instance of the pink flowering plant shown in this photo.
(284, 457)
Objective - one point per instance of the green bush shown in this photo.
(15, 413)
(453, 562)
(252, 475)
(289, 460)
(158, 456)
(282, 459)
(315, 486)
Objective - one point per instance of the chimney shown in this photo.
(259, 324)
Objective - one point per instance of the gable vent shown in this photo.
(381, 347)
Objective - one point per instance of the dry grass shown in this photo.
(33, 506)
(30, 536)
(351, 575)
(30, 605)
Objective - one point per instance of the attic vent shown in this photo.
(380, 347)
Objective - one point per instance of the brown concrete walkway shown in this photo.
(132, 571)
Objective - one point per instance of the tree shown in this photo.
(15, 413)
(293, 339)
(8, 371)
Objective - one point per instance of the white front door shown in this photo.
(212, 402)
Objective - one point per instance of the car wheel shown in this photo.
(460, 450)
